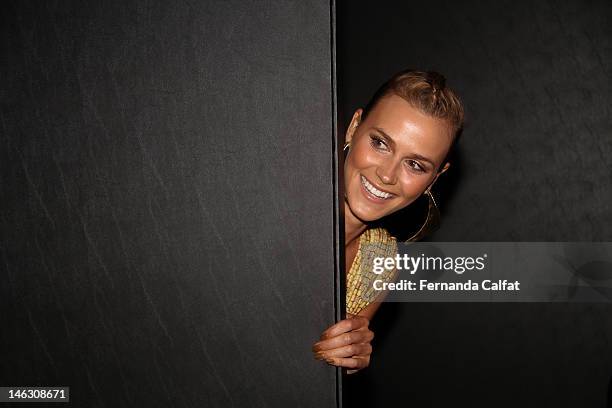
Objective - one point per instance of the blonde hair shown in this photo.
(427, 92)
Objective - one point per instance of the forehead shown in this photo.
(411, 130)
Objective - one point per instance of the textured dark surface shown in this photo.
(167, 202)
(534, 165)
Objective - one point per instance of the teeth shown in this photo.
(373, 190)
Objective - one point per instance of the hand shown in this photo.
(346, 344)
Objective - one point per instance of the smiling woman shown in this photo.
(397, 147)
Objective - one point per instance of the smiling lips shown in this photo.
(374, 194)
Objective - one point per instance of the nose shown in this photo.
(386, 172)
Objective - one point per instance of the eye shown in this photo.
(378, 143)
(415, 166)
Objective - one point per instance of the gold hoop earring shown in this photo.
(432, 222)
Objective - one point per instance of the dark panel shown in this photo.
(533, 165)
(167, 201)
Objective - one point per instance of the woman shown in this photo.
(396, 148)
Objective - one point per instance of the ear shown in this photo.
(354, 124)
(446, 166)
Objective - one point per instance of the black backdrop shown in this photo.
(167, 223)
(533, 165)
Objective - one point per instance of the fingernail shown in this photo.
(330, 360)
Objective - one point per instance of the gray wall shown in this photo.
(167, 223)
(534, 165)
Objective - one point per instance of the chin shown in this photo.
(366, 214)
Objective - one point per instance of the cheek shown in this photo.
(363, 156)
(353, 163)
(351, 168)
(413, 185)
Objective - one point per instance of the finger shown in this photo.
(344, 326)
(344, 339)
(354, 363)
(360, 349)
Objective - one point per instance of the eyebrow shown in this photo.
(390, 140)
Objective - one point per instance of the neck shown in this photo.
(353, 226)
